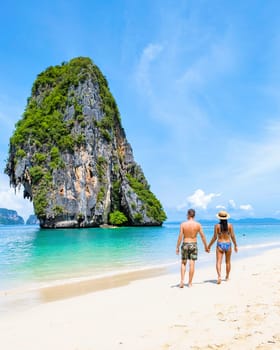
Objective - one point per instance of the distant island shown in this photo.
(32, 220)
(261, 221)
(10, 217)
(70, 153)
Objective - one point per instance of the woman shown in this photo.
(224, 234)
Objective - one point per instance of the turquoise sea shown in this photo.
(30, 256)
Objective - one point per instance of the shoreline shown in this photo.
(37, 293)
(90, 259)
(245, 251)
(153, 313)
(26, 287)
(22, 298)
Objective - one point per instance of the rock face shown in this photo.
(70, 153)
(10, 217)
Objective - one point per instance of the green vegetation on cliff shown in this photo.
(43, 121)
(44, 125)
(152, 204)
(117, 218)
(70, 153)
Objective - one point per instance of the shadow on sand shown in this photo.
(186, 285)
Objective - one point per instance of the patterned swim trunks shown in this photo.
(189, 251)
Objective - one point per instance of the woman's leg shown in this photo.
(219, 258)
(228, 263)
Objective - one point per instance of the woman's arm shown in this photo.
(232, 236)
(203, 238)
(213, 238)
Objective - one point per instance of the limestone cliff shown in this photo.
(70, 154)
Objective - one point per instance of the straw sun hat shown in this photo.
(223, 215)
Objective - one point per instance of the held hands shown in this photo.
(177, 251)
(236, 249)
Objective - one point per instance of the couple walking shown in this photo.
(223, 234)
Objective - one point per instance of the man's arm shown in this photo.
(179, 239)
(203, 238)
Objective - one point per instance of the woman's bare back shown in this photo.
(224, 236)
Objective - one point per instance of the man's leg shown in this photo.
(183, 271)
(219, 258)
(191, 272)
(228, 264)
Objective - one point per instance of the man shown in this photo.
(188, 232)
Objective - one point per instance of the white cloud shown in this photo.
(258, 158)
(199, 199)
(246, 207)
(177, 88)
(232, 204)
(149, 54)
(220, 207)
(219, 56)
(253, 169)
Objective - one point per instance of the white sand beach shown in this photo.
(153, 313)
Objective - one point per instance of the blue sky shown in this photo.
(197, 84)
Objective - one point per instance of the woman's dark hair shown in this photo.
(224, 225)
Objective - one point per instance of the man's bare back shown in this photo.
(190, 229)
